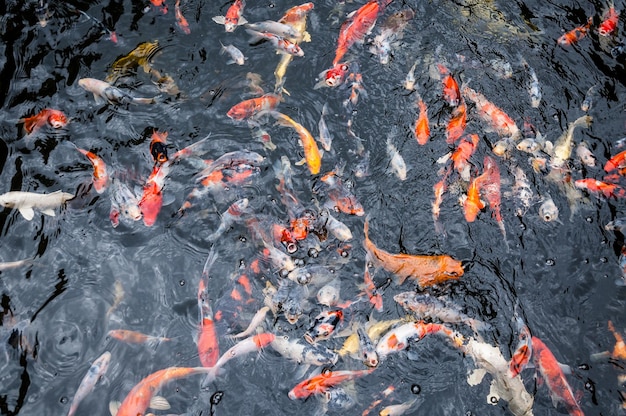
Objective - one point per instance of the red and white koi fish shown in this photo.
(134, 337)
(253, 106)
(100, 175)
(502, 124)
(595, 186)
(321, 383)
(54, 118)
(323, 325)
(524, 350)
(609, 22)
(233, 16)
(103, 91)
(451, 92)
(398, 338)
(359, 23)
(282, 45)
(422, 130)
(151, 199)
(553, 375)
(617, 161)
(180, 19)
(97, 370)
(575, 34)
(208, 345)
(234, 211)
(333, 77)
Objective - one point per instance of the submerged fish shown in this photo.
(27, 202)
(103, 91)
(97, 370)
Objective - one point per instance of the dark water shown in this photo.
(561, 275)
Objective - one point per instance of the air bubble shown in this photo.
(63, 400)
(603, 259)
(416, 389)
(313, 253)
(242, 239)
(589, 219)
(583, 366)
(217, 397)
(182, 282)
(493, 400)
(550, 262)
(344, 254)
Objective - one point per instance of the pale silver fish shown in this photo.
(304, 353)
(409, 81)
(255, 322)
(398, 409)
(534, 89)
(232, 214)
(325, 138)
(397, 165)
(502, 68)
(277, 28)
(585, 155)
(103, 91)
(337, 228)
(124, 204)
(589, 96)
(548, 211)
(97, 370)
(329, 294)
(563, 146)
(27, 202)
(236, 56)
(522, 191)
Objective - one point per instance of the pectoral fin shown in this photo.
(219, 20)
(159, 403)
(476, 376)
(27, 213)
(50, 212)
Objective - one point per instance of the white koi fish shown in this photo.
(26, 202)
(86, 386)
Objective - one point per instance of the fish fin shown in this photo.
(27, 213)
(242, 21)
(219, 19)
(300, 162)
(401, 279)
(144, 100)
(476, 376)
(50, 212)
(555, 399)
(566, 369)
(230, 62)
(168, 199)
(114, 406)
(99, 100)
(159, 403)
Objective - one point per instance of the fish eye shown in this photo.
(292, 248)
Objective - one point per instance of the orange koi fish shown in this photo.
(134, 337)
(491, 187)
(490, 113)
(596, 186)
(551, 371)
(427, 270)
(158, 149)
(54, 118)
(180, 19)
(312, 153)
(451, 92)
(233, 16)
(249, 108)
(422, 131)
(208, 346)
(575, 34)
(472, 204)
(152, 197)
(456, 125)
(619, 350)
(321, 383)
(460, 157)
(138, 399)
(160, 4)
(100, 175)
(616, 162)
(609, 22)
(359, 23)
(439, 189)
(342, 199)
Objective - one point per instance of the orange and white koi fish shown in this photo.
(398, 338)
(138, 399)
(54, 118)
(524, 350)
(282, 45)
(609, 22)
(312, 153)
(372, 292)
(158, 148)
(502, 124)
(456, 125)
(490, 188)
(617, 161)
(472, 204)
(233, 16)
(460, 157)
(253, 106)
(553, 375)
(180, 19)
(160, 4)
(422, 130)
(321, 383)
(398, 409)
(134, 337)
(451, 92)
(151, 199)
(427, 270)
(248, 345)
(342, 199)
(595, 186)
(575, 34)
(208, 345)
(97, 370)
(100, 175)
(619, 349)
(359, 23)
(234, 212)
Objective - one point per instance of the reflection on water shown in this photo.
(84, 278)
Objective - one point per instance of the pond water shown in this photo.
(84, 277)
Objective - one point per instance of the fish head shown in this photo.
(57, 120)
(451, 267)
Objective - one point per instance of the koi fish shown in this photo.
(427, 270)
(234, 211)
(233, 16)
(552, 373)
(97, 370)
(609, 22)
(323, 326)
(575, 34)
(103, 91)
(534, 89)
(54, 118)
(451, 92)
(548, 211)
(524, 350)
(138, 399)
(589, 98)
(128, 64)
(160, 4)
(253, 106)
(124, 204)
(333, 77)
(369, 356)
(325, 138)
(277, 28)
(134, 337)
(617, 161)
(491, 190)
(563, 146)
(502, 124)
(607, 189)
(472, 204)
(422, 131)
(398, 338)
(282, 45)
(359, 23)
(390, 32)
(100, 175)
(460, 157)
(151, 199)
(304, 353)
(342, 199)
(397, 164)
(398, 409)
(208, 345)
(180, 19)
(456, 125)
(312, 154)
(337, 228)
(26, 202)
(158, 149)
(409, 80)
(321, 383)
(236, 56)
(375, 297)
